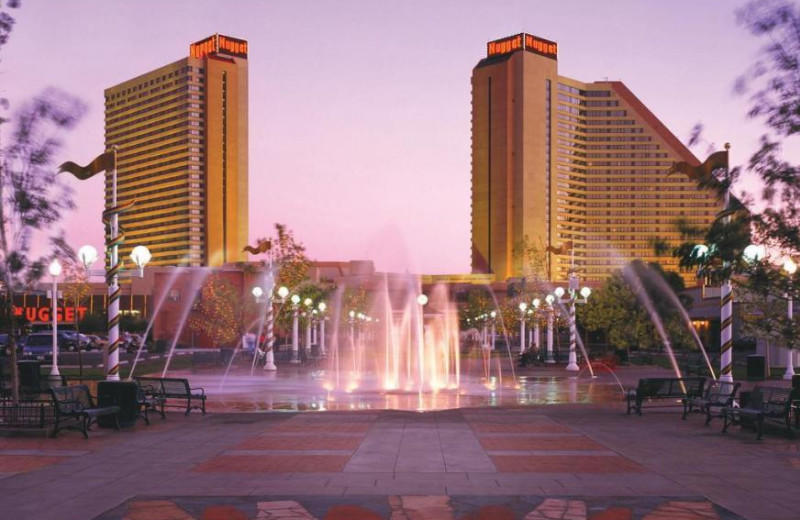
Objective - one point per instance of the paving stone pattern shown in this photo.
(588, 462)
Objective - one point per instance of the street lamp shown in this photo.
(790, 267)
(752, 253)
(140, 256)
(422, 300)
(308, 302)
(493, 316)
(322, 307)
(550, 299)
(55, 271)
(295, 299)
(522, 308)
(258, 292)
(536, 340)
(573, 299)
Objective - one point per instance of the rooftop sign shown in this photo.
(522, 41)
(219, 44)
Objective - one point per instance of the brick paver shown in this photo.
(300, 442)
(273, 463)
(540, 443)
(565, 464)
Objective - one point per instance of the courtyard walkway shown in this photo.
(570, 462)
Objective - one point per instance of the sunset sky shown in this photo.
(360, 110)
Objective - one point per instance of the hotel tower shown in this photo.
(181, 138)
(578, 171)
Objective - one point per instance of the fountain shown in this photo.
(401, 352)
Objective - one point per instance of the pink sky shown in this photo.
(360, 110)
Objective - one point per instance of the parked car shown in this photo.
(40, 344)
(131, 342)
(96, 342)
(74, 339)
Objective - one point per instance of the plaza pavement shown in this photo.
(566, 462)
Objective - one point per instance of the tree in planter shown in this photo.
(222, 313)
(76, 289)
(616, 310)
(478, 303)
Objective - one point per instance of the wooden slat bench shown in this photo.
(718, 395)
(75, 406)
(769, 404)
(672, 389)
(167, 388)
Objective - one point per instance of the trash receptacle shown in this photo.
(756, 368)
(30, 378)
(122, 394)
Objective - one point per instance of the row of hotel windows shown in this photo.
(173, 94)
(150, 105)
(629, 146)
(154, 133)
(156, 81)
(172, 222)
(159, 178)
(129, 215)
(614, 130)
(588, 103)
(167, 193)
(127, 103)
(128, 173)
(585, 93)
(135, 189)
(179, 147)
(650, 214)
(654, 196)
(630, 163)
(164, 115)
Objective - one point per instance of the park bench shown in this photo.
(75, 406)
(717, 395)
(148, 403)
(695, 363)
(769, 404)
(174, 388)
(672, 389)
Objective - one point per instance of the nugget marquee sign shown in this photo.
(45, 313)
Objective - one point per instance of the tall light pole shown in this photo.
(55, 271)
(269, 342)
(308, 302)
(422, 300)
(295, 299)
(550, 316)
(536, 333)
(493, 316)
(140, 256)
(790, 267)
(322, 307)
(572, 364)
(523, 307)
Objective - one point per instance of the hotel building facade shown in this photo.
(576, 170)
(181, 133)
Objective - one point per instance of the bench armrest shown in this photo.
(202, 392)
